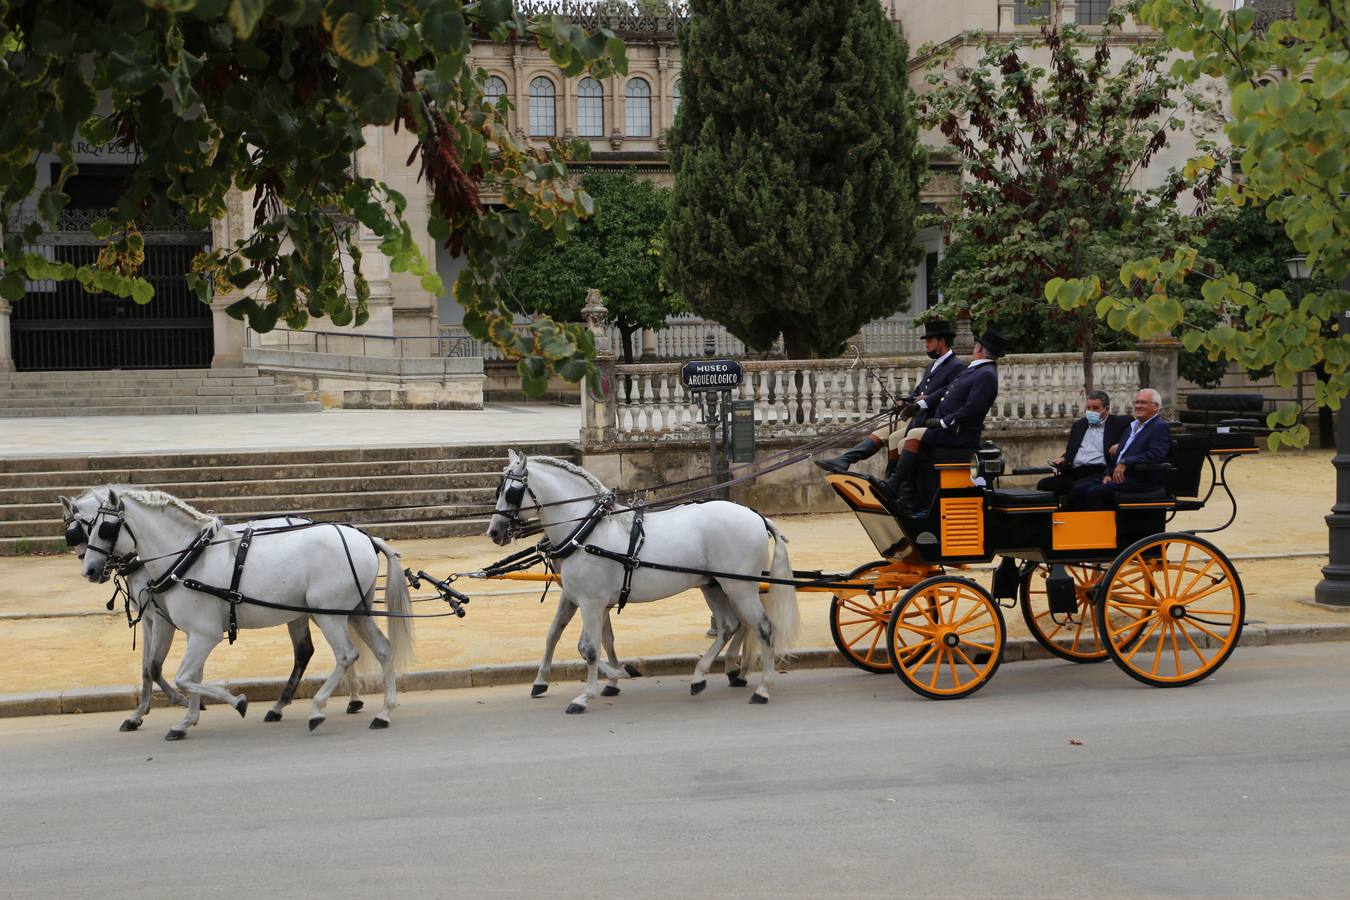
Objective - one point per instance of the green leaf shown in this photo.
(355, 40)
(142, 291)
(1052, 288)
(244, 16)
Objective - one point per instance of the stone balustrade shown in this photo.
(803, 398)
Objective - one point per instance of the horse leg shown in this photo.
(189, 681)
(612, 671)
(163, 631)
(147, 678)
(592, 631)
(745, 597)
(370, 633)
(566, 610)
(304, 650)
(736, 657)
(344, 652)
(722, 615)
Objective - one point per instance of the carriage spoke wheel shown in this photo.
(1070, 636)
(858, 626)
(1172, 609)
(946, 637)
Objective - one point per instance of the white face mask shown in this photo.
(1093, 417)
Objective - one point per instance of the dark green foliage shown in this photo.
(796, 170)
(617, 251)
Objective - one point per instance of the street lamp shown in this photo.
(1334, 588)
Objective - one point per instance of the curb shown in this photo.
(110, 699)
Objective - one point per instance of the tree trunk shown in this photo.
(795, 345)
(626, 338)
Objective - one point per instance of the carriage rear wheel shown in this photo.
(946, 637)
(1071, 636)
(1171, 610)
(858, 626)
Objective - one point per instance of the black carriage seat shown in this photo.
(1018, 498)
(1184, 468)
(948, 455)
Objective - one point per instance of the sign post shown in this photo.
(715, 379)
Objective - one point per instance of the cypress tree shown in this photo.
(797, 170)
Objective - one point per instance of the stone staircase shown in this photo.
(144, 392)
(396, 492)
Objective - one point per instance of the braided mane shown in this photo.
(573, 468)
(162, 500)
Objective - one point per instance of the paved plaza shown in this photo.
(94, 435)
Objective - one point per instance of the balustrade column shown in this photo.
(599, 405)
(1158, 370)
(6, 343)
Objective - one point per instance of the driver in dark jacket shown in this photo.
(957, 423)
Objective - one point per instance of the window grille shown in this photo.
(590, 108)
(638, 109)
(543, 108)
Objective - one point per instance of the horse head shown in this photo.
(95, 528)
(512, 491)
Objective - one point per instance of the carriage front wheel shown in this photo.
(858, 626)
(945, 637)
(1170, 610)
(1072, 636)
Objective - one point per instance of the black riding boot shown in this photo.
(839, 464)
(897, 491)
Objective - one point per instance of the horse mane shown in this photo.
(162, 500)
(573, 468)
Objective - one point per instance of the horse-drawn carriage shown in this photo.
(1167, 606)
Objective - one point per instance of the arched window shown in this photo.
(638, 109)
(494, 89)
(1030, 12)
(590, 108)
(675, 98)
(543, 108)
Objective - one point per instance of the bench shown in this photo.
(1246, 410)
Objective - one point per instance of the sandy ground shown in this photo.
(1283, 499)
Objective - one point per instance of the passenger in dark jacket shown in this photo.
(1148, 441)
(958, 422)
(1090, 439)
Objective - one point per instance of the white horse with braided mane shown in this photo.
(313, 569)
(713, 537)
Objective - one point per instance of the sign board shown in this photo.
(742, 431)
(711, 374)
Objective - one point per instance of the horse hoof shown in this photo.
(735, 679)
(696, 687)
(242, 707)
(175, 735)
(632, 670)
(377, 723)
(575, 709)
(355, 706)
(129, 725)
(609, 690)
(537, 689)
(315, 722)
(759, 699)
(272, 716)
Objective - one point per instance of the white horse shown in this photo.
(312, 569)
(157, 631)
(716, 536)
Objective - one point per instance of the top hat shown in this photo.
(995, 344)
(938, 328)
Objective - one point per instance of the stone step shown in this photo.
(256, 406)
(63, 482)
(197, 492)
(147, 401)
(260, 389)
(318, 456)
(144, 374)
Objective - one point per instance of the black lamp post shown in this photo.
(1334, 588)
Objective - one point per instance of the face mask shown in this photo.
(1094, 418)
(934, 354)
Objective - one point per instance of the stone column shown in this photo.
(598, 408)
(649, 343)
(964, 344)
(228, 335)
(6, 342)
(1158, 370)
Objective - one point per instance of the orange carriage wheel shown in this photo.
(1074, 636)
(858, 625)
(1172, 609)
(946, 637)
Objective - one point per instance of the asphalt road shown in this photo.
(845, 785)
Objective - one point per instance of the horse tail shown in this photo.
(780, 602)
(396, 603)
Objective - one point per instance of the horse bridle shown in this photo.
(514, 493)
(78, 532)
